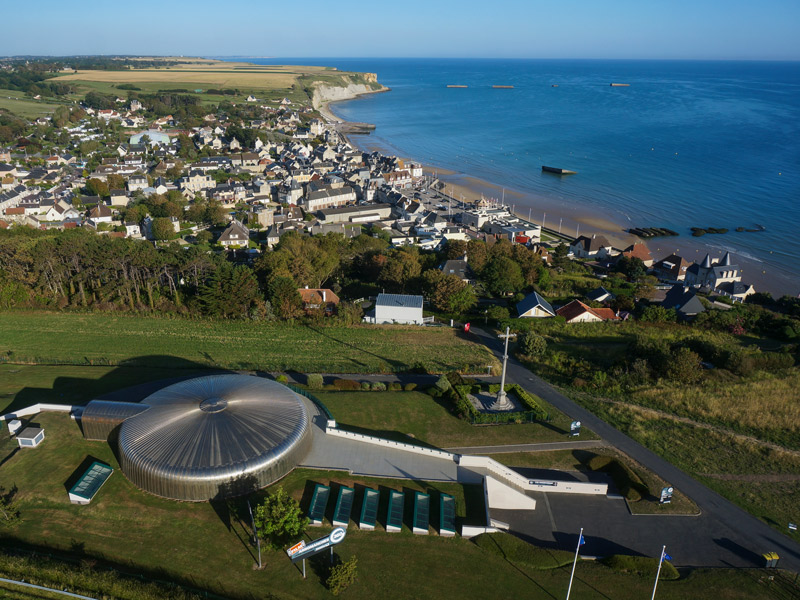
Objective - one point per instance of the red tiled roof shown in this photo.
(314, 296)
(576, 308)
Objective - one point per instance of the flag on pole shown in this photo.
(665, 556)
(582, 541)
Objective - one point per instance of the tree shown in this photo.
(97, 187)
(163, 229)
(658, 314)
(204, 237)
(279, 519)
(502, 276)
(684, 366)
(455, 249)
(230, 292)
(401, 267)
(285, 298)
(342, 576)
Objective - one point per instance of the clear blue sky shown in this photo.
(682, 29)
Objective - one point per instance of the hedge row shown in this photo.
(528, 399)
(628, 483)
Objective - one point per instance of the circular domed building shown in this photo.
(206, 438)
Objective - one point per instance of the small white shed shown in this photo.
(14, 426)
(30, 437)
(398, 308)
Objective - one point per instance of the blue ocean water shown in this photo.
(689, 143)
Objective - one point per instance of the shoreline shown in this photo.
(576, 218)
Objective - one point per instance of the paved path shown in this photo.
(541, 447)
(732, 529)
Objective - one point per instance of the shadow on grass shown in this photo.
(132, 382)
(77, 556)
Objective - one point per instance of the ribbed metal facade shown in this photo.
(100, 417)
(214, 437)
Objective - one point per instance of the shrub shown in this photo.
(365, 386)
(279, 519)
(395, 387)
(342, 576)
(410, 387)
(282, 379)
(378, 386)
(442, 384)
(532, 344)
(314, 381)
(346, 384)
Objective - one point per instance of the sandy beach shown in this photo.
(577, 219)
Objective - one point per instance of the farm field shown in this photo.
(416, 417)
(132, 531)
(267, 82)
(104, 339)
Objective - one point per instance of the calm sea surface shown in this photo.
(687, 144)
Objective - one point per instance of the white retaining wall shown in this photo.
(37, 408)
(541, 485)
(390, 444)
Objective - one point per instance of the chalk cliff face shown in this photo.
(324, 93)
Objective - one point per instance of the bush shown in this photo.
(365, 386)
(442, 384)
(342, 576)
(314, 381)
(282, 379)
(378, 386)
(684, 366)
(532, 344)
(346, 385)
(395, 387)
(410, 387)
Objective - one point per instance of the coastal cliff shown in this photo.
(345, 87)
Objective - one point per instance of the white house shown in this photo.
(397, 308)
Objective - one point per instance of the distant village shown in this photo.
(312, 181)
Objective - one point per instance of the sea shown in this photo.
(684, 144)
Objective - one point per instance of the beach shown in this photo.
(573, 219)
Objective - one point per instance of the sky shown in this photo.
(644, 29)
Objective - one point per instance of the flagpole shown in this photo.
(660, 562)
(574, 562)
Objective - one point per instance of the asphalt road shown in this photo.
(732, 528)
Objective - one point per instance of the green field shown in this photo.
(106, 339)
(416, 417)
(15, 101)
(136, 532)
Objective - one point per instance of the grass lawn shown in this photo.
(102, 339)
(405, 415)
(16, 102)
(576, 460)
(158, 538)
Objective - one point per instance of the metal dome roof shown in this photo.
(215, 436)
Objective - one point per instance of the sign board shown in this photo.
(296, 548)
(317, 546)
(792, 526)
(466, 327)
(666, 495)
(575, 428)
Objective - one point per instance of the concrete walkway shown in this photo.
(370, 460)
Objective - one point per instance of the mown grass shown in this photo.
(416, 417)
(165, 540)
(103, 339)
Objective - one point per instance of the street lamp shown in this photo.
(502, 402)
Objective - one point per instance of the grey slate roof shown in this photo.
(683, 300)
(405, 301)
(533, 300)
